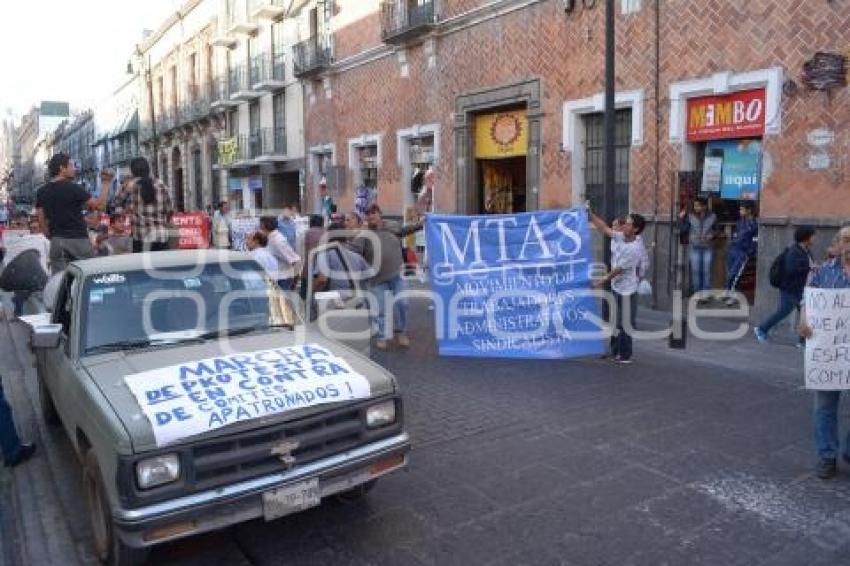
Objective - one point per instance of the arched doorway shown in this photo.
(177, 180)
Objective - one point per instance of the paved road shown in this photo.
(682, 458)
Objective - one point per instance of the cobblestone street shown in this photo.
(678, 459)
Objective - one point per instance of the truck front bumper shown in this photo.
(232, 504)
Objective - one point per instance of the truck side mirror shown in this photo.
(46, 336)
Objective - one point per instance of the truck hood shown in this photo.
(108, 372)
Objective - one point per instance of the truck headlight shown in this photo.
(157, 471)
(381, 414)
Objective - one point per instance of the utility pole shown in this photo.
(610, 117)
(149, 81)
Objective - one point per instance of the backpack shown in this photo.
(777, 269)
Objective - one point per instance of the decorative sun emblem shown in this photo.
(506, 130)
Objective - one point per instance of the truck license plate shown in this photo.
(291, 499)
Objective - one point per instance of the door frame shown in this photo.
(527, 94)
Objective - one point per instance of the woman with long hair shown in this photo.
(148, 202)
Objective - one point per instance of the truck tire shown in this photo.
(108, 546)
(45, 401)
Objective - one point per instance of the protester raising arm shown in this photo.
(598, 223)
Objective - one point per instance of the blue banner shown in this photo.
(513, 285)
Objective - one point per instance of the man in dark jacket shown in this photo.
(796, 267)
(741, 249)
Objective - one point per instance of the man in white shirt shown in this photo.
(288, 261)
(627, 253)
(257, 243)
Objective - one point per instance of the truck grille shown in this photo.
(248, 455)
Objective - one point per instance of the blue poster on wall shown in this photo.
(741, 172)
(513, 285)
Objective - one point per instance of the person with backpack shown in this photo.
(789, 272)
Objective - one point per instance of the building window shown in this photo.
(421, 159)
(594, 173)
(367, 158)
(233, 123)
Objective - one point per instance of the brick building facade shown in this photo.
(409, 84)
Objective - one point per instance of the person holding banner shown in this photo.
(835, 274)
(627, 253)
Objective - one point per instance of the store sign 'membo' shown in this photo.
(500, 135)
(735, 115)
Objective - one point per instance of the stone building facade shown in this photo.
(220, 108)
(503, 99)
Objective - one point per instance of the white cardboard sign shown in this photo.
(828, 349)
(192, 398)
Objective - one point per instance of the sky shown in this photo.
(70, 50)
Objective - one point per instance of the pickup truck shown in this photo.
(121, 323)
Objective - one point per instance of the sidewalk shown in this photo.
(35, 521)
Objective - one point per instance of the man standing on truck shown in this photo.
(59, 205)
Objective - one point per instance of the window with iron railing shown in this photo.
(311, 55)
(406, 17)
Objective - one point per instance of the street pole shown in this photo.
(610, 116)
(149, 81)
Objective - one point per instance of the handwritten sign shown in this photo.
(828, 349)
(513, 285)
(193, 230)
(203, 395)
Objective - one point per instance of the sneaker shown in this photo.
(621, 360)
(826, 468)
(403, 341)
(760, 335)
(25, 453)
(382, 344)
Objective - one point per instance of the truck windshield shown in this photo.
(163, 306)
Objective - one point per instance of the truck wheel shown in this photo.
(45, 401)
(356, 493)
(108, 546)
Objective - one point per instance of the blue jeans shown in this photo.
(388, 291)
(621, 342)
(826, 424)
(700, 259)
(736, 261)
(10, 444)
(787, 304)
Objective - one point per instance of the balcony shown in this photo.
(266, 9)
(166, 120)
(224, 40)
(312, 57)
(237, 21)
(273, 145)
(405, 20)
(221, 95)
(249, 148)
(240, 84)
(271, 72)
